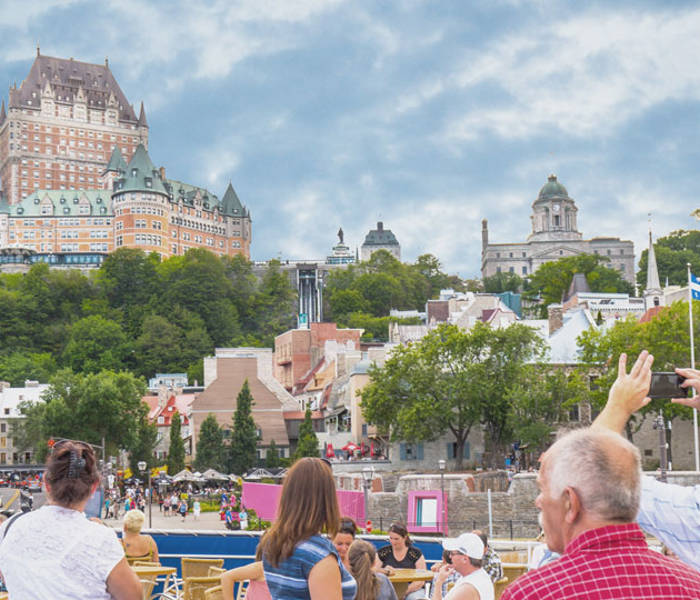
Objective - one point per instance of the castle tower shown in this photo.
(61, 125)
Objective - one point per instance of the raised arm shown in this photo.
(628, 394)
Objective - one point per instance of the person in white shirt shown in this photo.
(56, 553)
(466, 553)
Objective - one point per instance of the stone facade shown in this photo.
(554, 236)
(380, 239)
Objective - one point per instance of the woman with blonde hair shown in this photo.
(371, 585)
(297, 561)
(138, 546)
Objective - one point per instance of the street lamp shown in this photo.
(367, 477)
(142, 465)
(441, 466)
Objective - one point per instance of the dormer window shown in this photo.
(134, 172)
(149, 182)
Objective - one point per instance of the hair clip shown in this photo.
(75, 465)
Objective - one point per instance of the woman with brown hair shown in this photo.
(370, 584)
(56, 553)
(344, 538)
(402, 554)
(297, 561)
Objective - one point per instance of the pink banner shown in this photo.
(264, 498)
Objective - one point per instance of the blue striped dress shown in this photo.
(290, 579)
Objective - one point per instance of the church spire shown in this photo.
(653, 295)
(142, 117)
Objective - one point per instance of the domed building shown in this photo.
(554, 236)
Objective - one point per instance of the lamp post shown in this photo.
(367, 477)
(441, 466)
(142, 465)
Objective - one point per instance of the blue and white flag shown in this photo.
(695, 287)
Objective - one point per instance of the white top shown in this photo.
(56, 553)
(480, 580)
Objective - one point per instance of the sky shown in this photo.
(427, 115)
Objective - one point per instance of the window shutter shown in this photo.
(466, 449)
(450, 450)
(402, 451)
(420, 451)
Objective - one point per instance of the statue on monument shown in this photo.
(340, 235)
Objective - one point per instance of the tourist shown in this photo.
(138, 546)
(182, 509)
(371, 585)
(344, 538)
(451, 578)
(298, 561)
(667, 511)
(196, 508)
(589, 483)
(257, 588)
(56, 553)
(492, 562)
(402, 554)
(467, 556)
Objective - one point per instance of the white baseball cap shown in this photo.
(468, 544)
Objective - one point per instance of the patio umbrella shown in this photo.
(214, 475)
(351, 447)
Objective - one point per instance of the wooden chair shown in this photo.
(242, 589)
(216, 571)
(499, 586)
(214, 593)
(199, 567)
(148, 582)
(145, 563)
(512, 570)
(194, 587)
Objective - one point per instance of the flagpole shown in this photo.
(692, 366)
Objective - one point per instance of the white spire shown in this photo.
(652, 270)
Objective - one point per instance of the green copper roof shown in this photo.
(4, 205)
(64, 203)
(380, 237)
(552, 189)
(116, 161)
(231, 205)
(141, 175)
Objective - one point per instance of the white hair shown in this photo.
(602, 467)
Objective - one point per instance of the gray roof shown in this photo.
(141, 175)
(231, 205)
(116, 161)
(66, 77)
(380, 237)
(63, 203)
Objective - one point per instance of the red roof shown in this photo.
(176, 403)
(651, 314)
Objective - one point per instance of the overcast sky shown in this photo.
(427, 115)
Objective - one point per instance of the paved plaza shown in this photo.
(209, 521)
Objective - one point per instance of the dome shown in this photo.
(552, 189)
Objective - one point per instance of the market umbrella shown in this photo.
(351, 447)
(214, 475)
(185, 475)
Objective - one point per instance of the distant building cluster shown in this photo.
(78, 182)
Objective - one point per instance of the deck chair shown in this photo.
(194, 587)
(214, 593)
(242, 589)
(499, 586)
(216, 571)
(199, 567)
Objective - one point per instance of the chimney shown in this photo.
(555, 315)
(380, 226)
(484, 234)
(162, 173)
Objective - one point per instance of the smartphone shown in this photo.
(667, 385)
(93, 508)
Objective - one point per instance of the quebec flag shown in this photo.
(695, 287)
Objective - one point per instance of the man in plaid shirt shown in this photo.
(590, 482)
(492, 562)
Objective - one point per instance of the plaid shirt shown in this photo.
(608, 563)
(492, 565)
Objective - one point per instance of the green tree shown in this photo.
(673, 252)
(274, 305)
(92, 407)
(210, 446)
(144, 445)
(549, 282)
(272, 457)
(176, 452)
(18, 367)
(666, 336)
(94, 344)
(502, 282)
(244, 437)
(450, 381)
(308, 442)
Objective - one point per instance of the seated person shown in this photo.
(402, 554)
(257, 588)
(492, 562)
(136, 545)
